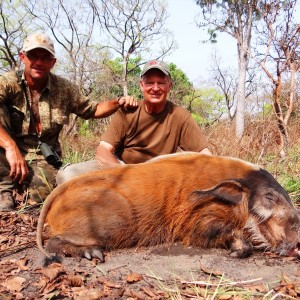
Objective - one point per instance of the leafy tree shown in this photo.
(134, 27)
(182, 86)
(236, 19)
(108, 83)
(71, 24)
(13, 24)
(206, 105)
(278, 54)
(226, 81)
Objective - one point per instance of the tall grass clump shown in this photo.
(80, 143)
(258, 145)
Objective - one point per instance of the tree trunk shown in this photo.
(124, 76)
(284, 139)
(240, 94)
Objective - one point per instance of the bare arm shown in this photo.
(17, 163)
(105, 154)
(106, 108)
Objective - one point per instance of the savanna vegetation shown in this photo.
(251, 112)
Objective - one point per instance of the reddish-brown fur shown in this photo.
(202, 200)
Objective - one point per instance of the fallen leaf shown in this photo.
(75, 281)
(50, 287)
(25, 217)
(297, 289)
(19, 296)
(148, 292)
(4, 262)
(14, 284)
(133, 295)
(117, 294)
(16, 241)
(9, 268)
(85, 294)
(52, 271)
(15, 271)
(211, 271)
(41, 283)
(257, 288)
(22, 264)
(107, 283)
(292, 293)
(134, 277)
(106, 291)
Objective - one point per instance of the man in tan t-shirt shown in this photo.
(156, 127)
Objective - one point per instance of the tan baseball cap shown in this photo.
(156, 64)
(38, 40)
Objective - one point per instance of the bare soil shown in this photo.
(161, 272)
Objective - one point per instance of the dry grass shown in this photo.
(260, 138)
(259, 145)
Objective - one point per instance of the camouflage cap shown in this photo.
(156, 64)
(38, 40)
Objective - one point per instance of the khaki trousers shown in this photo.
(41, 179)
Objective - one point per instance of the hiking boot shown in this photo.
(6, 201)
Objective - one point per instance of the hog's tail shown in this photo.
(41, 221)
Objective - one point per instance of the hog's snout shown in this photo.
(286, 249)
(294, 251)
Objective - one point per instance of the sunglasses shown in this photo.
(42, 57)
(160, 85)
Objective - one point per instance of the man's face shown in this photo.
(155, 86)
(38, 63)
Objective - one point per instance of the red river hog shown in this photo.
(196, 199)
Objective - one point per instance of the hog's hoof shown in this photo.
(59, 245)
(241, 249)
(94, 253)
(294, 252)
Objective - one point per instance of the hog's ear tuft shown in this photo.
(229, 192)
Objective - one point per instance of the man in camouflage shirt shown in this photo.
(34, 106)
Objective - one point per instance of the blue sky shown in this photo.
(192, 56)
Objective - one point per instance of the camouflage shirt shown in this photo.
(58, 100)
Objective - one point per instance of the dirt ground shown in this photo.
(161, 272)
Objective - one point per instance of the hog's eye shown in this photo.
(295, 227)
(270, 196)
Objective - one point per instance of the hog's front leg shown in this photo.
(240, 247)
